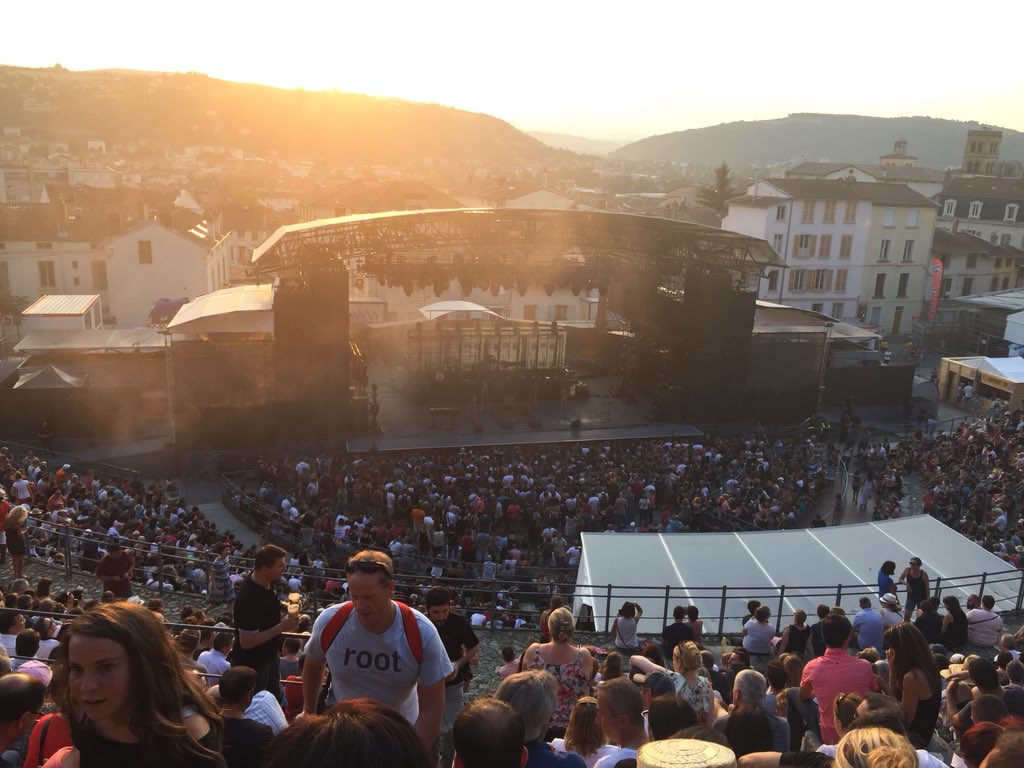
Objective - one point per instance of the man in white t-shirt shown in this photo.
(374, 652)
(620, 714)
(983, 624)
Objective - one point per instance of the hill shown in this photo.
(194, 109)
(937, 143)
(580, 144)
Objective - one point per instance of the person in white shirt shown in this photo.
(215, 660)
(620, 713)
(983, 624)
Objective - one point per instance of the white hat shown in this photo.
(684, 753)
(889, 599)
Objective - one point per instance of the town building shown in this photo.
(853, 250)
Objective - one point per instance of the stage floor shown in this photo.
(405, 425)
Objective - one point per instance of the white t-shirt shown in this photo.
(620, 753)
(591, 760)
(381, 667)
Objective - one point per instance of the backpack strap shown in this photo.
(334, 625)
(412, 629)
(412, 632)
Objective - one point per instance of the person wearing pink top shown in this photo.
(836, 672)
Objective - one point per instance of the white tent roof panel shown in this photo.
(809, 563)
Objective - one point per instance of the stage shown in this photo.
(404, 425)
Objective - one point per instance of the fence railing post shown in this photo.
(607, 608)
(67, 557)
(839, 595)
(1020, 594)
(981, 587)
(668, 589)
(160, 569)
(721, 610)
(938, 586)
(778, 615)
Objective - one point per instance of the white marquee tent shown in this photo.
(810, 563)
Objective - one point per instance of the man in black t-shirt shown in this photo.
(461, 644)
(675, 633)
(245, 740)
(258, 622)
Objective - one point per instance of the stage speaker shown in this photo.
(714, 347)
(312, 355)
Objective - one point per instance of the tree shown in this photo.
(714, 197)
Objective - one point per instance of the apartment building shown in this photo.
(853, 250)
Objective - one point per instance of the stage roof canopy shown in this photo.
(241, 309)
(811, 563)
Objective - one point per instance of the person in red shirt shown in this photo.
(836, 672)
(468, 545)
(115, 570)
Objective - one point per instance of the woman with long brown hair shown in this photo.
(121, 683)
(914, 679)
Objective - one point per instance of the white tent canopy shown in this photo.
(241, 309)
(439, 308)
(810, 563)
(1009, 368)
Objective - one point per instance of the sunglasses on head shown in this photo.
(367, 566)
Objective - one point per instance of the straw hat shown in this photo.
(684, 753)
(957, 664)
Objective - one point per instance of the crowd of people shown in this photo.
(372, 681)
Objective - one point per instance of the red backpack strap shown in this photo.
(412, 632)
(334, 625)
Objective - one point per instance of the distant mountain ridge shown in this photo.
(580, 144)
(936, 142)
(194, 109)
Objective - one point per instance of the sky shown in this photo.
(608, 70)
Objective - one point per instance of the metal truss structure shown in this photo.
(507, 245)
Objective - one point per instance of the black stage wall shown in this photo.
(312, 355)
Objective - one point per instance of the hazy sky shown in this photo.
(599, 69)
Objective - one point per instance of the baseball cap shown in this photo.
(658, 682)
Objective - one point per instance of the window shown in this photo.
(44, 246)
(1011, 212)
(825, 247)
(890, 218)
(846, 246)
(808, 217)
(993, 238)
(972, 260)
(99, 275)
(994, 283)
(1006, 283)
(529, 312)
(841, 280)
(851, 213)
(75, 281)
(837, 310)
(804, 245)
(949, 208)
(74, 263)
(908, 250)
(883, 250)
(947, 285)
(998, 264)
(968, 285)
(901, 289)
(912, 216)
(780, 213)
(796, 280)
(879, 287)
(830, 212)
(822, 279)
(773, 280)
(1004, 239)
(5, 280)
(778, 244)
(818, 307)
(975, 210)
(47, 275)
(561, 312)
(145, 251)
